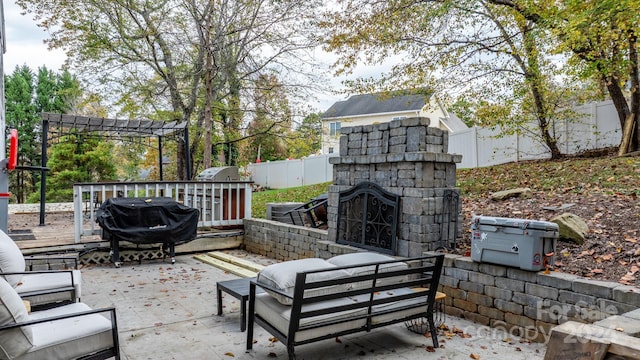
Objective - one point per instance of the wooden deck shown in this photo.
(57, 235)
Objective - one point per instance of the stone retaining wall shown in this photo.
(525, 303)
(528, 303)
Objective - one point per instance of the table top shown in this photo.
(236, 287)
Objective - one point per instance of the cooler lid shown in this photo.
(515, 223)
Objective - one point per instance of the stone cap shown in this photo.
(408, 122)
(395, 158)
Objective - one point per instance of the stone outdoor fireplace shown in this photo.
(407, 158)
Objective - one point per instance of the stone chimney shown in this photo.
(408, 158)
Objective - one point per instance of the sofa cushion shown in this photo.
(44, 284)
(367, 258)
(282, 276)
(11, 259)
(14, 342)
(68, 338)
(279, 316)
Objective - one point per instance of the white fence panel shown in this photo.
(317, 170)
(464, 143)
(494, 150)
(479, 147)
(291, 173)
(608, 125)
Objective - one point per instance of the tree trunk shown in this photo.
(634, 80)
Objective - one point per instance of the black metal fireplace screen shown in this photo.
(368, 218)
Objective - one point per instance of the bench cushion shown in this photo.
(279, 316)
(282, 276)
(17, 341)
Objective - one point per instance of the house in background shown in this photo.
(383, 107)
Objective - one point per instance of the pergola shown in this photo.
(64, 124)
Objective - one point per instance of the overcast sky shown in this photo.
(25, 42)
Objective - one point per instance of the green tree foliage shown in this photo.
(27, 96)
(307, 137)
(78, 159)
(271, 124)
(175, 59)
(602, 37)
(492, 56)
(21, 115)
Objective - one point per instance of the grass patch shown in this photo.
(609, 175)
(303, 194)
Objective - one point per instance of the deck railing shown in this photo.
(220, 203)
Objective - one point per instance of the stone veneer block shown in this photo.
(557, 280)
(602, 289)
(627, 294)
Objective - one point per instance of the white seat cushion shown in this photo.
(11, 259)
(279, 316)
(68, 338)
(282, 276)
(49, 281)
(14, 342)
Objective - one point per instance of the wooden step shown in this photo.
(234, 269)
(236, 261)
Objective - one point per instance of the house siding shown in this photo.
(333, 141)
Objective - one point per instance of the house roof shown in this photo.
(376, 104)
(454, 123)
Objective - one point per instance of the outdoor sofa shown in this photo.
(309, 300)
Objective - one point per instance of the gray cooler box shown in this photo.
(527, 244)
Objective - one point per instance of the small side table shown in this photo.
(239, 289)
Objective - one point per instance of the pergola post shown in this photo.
(160, 170)
(43, 171)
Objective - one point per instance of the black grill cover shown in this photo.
(147, 220)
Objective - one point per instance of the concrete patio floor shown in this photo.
(169, 311)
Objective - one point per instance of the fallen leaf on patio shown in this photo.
(430, 349)
(620, 329)
(475, 356)
(506, 339)
(157, 324)
(229, 354)
(272, 355)
(273, 339)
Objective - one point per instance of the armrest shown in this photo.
(268, 289)
(111, 310)
(38, 258)
(70, 272)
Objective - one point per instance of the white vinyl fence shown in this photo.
(599, 128)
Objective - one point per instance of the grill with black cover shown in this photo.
(146, 221)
